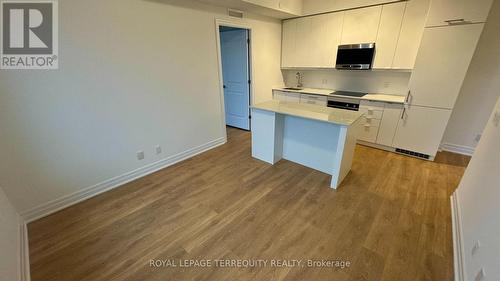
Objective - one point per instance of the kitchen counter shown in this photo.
(319, 113)
(318, 137)
(328, 92)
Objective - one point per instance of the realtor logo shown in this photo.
(29, 34)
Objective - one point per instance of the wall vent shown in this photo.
(413, 153)
(235, 13)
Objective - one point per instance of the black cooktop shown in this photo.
(349, 94)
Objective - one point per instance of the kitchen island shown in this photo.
(320, 138)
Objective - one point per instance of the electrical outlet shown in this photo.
(158, 149)
(480, 275)
(140, 155)
(475, 248)
(387, 84)
(324, 81)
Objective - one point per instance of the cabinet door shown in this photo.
(313, 99)
(421, 129)
(278, 95)
(361, 25)
(303, 39)
(444, 11)
(292, 97)
(326, 34)
(288, 43)
(410, 36)
(442, 62)
(389, 123)
(388, 34)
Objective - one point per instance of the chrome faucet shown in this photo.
(299, 79)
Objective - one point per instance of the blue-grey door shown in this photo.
(235, 72)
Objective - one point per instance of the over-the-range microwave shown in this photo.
(355, 56)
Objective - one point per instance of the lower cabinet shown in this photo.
(286, 96)
(421, 129)
(313, 99)
(379, 122)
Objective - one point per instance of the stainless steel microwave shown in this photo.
(355, 56)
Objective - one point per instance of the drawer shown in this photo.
(372, 112)
(370, 121)
(368, 133)
(372, 105)
(313, 99)
(281, 96)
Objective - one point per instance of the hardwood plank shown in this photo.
(390, 218)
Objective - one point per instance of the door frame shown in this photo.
(236, 24)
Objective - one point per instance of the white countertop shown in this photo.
(326, 114)
(328, 92)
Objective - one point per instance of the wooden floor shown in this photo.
(390, 219)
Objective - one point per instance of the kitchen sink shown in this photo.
(292, 88)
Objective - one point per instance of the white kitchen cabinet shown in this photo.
(288, 44)
(286, 96)
(445, 12)
(304, 36)
(441, 65)
(410, 35)
(311, 41)
(326, 34)
(388, 34)
(313, 99)
(361, 25)
(389, 123)
(421, 129)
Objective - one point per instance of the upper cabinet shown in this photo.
(361, 25)
(396, 29)
(388, 34)
(411, 33)
(311, 41)
(448, 12)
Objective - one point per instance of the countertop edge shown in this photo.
(327, 95)
(309, 118)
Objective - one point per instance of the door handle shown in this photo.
(224, 86)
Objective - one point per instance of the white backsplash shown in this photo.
(379, 82)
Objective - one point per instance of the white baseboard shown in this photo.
(458, 247)
(460, 149)
(86, 193)
(24, 252)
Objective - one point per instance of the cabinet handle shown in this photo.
(407, 96)
(456, 21)
(403, 115)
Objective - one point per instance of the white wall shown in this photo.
(321, 6)
(133, 74)
(381, 82)
(478, 195)
(9, 241)
(480, 89)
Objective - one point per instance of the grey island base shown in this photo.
(318, 137)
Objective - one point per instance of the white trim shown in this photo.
(86, 193)
(460, 149)
(458, 246)
(238, 24)
(24, 252)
